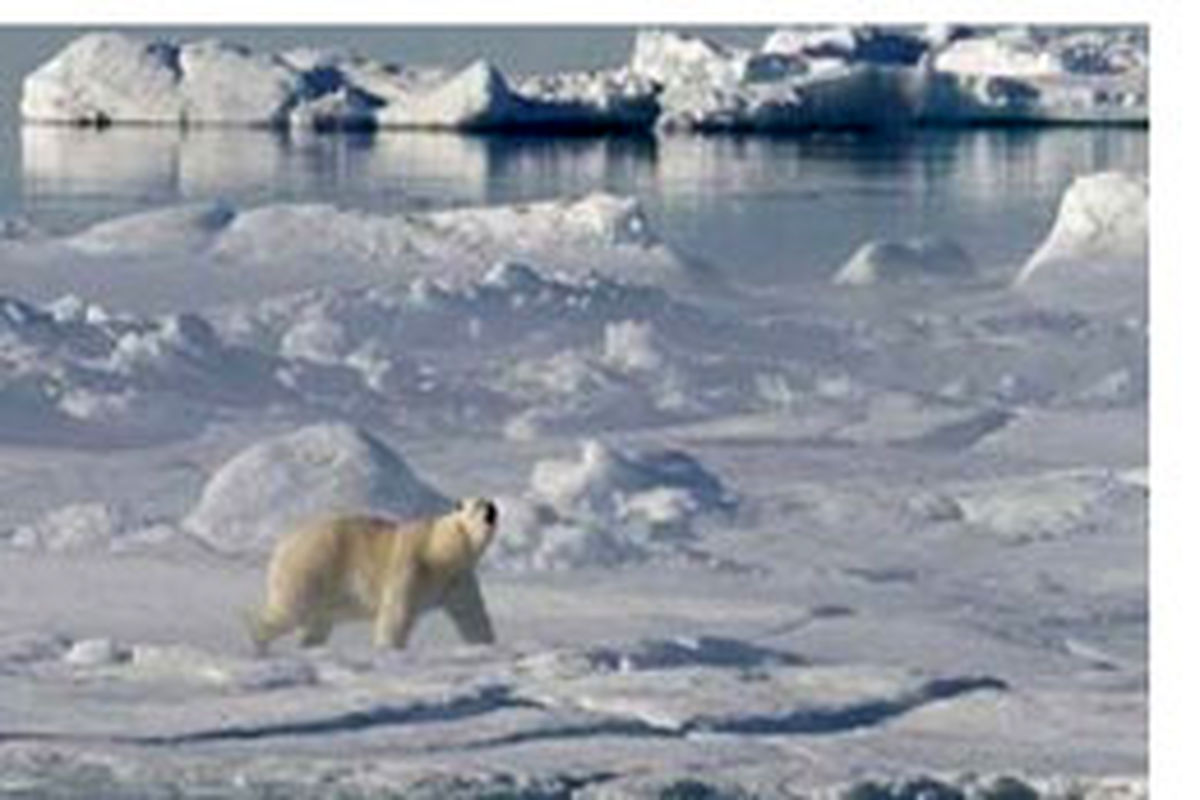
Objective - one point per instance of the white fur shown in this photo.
(356, 567)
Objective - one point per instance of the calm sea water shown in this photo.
(771, 209)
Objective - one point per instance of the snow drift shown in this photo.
(322, 469)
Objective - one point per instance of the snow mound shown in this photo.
(76, 372)
(96, 653)
(182, 228)
(628, 381)
(594, 232)
(106, 78)
(322, 469)
(1054, 506)
(914, 260)
(85, 527)
(608, 508)
(1101, 231)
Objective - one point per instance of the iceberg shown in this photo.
(854, 77)
(800, 79)
(108, 78)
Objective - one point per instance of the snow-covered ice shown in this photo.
(921, 259)
(596, 232)
(105, 78)
(323, 469)
(1101, 235)
(610, 508)
(830, 543)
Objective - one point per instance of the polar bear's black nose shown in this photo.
(490, 514)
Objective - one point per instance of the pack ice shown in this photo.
(859, 76)
(872, 543)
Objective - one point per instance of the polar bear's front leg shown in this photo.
(464, 603)
(397, 612)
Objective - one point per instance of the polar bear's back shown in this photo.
(328, 557)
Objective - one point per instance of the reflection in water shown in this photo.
(155, 165)
(771, 206)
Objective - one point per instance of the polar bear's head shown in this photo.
(478, 517)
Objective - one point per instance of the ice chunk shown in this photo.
(863, 43)
(629, 345)
(319, 470)
(104, 77)
(609, 508)
(921, 259)
(107, 78)
(478, 96)
(672, 58)
(96, 653)
(73, 528)
(1101, 230)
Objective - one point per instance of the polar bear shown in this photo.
(390, 571)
